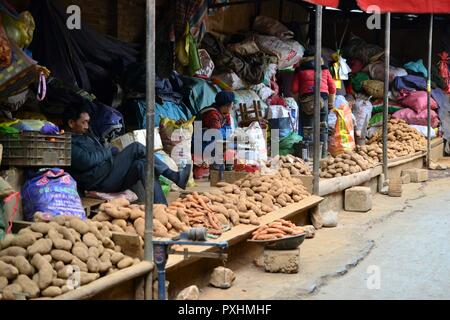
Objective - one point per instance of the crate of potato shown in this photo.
(402, 139)
(277, 230)
(295, 165)
(344, 165)
(122, 217)
(40, 259)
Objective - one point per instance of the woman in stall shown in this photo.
(303, 84)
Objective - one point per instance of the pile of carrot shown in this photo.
(276, 230)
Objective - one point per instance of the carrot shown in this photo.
(266, 237)
(273, 230)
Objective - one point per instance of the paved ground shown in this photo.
(406, 241)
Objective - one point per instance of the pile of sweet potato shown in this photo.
(295, 165)
(40, 260)
(276, 230)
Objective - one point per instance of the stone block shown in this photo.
(358, 199)
(282, 261)
(222, 278)
(190, 293)
(406, 178)
(310, 231)
(417, 175)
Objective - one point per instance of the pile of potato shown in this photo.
(276, 230)
(345, 164)
(403, 140)
(121, 216)
(40, 260)
(295, 165)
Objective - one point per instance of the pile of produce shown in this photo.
(345, 164)
(402, 141)
(40, 259)
(241, 202)
(276, 230)
(121, 216)
(295, 165)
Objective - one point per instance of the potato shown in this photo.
(40, 227)
(81, 252)
(136, 213)
(59, 265)
(6, 242)
(23, 266)
(125, 263)
(116, 257)
(61, 255)
(57, 282)
(234, 216)
(106, 233)
(254, 220)
(65, 289)
(51, 292)
(86, 277)
(3, 282)
(102, 216)
(120, 202)
(14, 252)
(8, 271)
(139, 225)
(80, 226)
(12, 292)
(90, 240)
(28, 286)
(93, 265)
(62, 244)
(70, 234)
(45, 271)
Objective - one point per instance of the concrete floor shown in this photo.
(401, 248)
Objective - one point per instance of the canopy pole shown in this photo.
(387, 53)
(150, 117)
(430, 50)
(317, 80)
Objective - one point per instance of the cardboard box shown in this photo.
(137, 136)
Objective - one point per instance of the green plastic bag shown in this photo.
(376, 120)
(187, 53)
(357, 80)
(165, 185)
(287, 143)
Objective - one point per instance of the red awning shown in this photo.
(408, 6)
(405, 6)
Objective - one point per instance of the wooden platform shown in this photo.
(242, 232)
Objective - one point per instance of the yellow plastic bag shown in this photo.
(342, 139)
(19, 30)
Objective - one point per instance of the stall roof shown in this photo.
(405, 6)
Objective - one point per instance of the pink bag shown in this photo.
(420, 119)
(417, 100)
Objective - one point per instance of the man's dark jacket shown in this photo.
(91, 162)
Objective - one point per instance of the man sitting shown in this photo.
(97, 168)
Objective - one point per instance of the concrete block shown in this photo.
(282, 261)
(406, 178)
(417, 175)
(358, 199)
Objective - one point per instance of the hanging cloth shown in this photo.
(443, 69)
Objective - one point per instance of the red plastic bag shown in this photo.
(420, 119)
(417, 101)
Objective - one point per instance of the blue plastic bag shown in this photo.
(51, 191)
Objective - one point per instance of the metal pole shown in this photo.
(150, 117)
(317, 80)
(430, 50)
(387, 53)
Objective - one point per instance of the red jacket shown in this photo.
(303, 82)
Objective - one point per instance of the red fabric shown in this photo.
(419, 119)
(443, 69)
(408, 6)
(418, 101)
(303, 82)
(213, 120)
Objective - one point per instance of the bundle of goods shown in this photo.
(242, 202)
(295, 165)
(276, 230)
(345, 164)
(41, 259)
(121, 216)
(402, 140)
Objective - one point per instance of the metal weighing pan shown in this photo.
(287, 243)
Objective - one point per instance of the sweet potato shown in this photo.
(45, 271)
(120, 202)
(159, 213)
(8, 271)
(120, 223)
(125, 263)
(234, 216)
(14, 252)
(175, 222)
(254, 219)
(51, 292)
(183, 216)
(102, 216)
(28, 286)
(136, 213)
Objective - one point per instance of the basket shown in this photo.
(374, 88)
(32, 149)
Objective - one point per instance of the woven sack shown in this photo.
(374, 88)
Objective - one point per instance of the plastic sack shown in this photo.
(418, 101)
(244, 48)
(362, 110)
(247, 97)
(19, 30)
(279, 119)
(424, 130)
(187, 53)
(374, 88)
(410, 83)
(229, 81)
(287, 143)
(272, 27)
(417, 66)
(293, 112)
(51, 192)
(358, 79)
(263, 91)
(251, 144)
(288, 52)
(177, 137)
(207, 65)
(376, 71)
(342, 139)
(417, 118)
(376, 120)
(444, 72)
